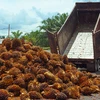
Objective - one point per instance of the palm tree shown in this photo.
(37, 38)
(54, 24)
(16, 34)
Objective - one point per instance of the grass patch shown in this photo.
(46, 48)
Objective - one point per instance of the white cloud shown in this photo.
(26, 15)
(14, 6)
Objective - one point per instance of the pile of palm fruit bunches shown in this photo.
(28, 72)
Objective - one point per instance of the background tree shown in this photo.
(32, 36)
(54, 24)
(16, 34)
(39, 37)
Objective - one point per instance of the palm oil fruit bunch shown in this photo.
(28, 72)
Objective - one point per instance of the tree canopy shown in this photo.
(39, 37)
(16, 34)
(54, 24)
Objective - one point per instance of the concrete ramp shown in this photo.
(80, 46)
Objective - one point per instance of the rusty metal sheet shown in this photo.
(81, 14)
(97, 44)
(96, 39)
(52, 42)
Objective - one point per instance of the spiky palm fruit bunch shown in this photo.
(29, 72)
(16, 43)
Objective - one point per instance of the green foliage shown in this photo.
(16, 34)
(39, 37)
(54, 24)
(42, 39)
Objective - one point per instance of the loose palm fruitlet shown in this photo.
(29, 72)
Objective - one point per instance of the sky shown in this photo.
(26, 15)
